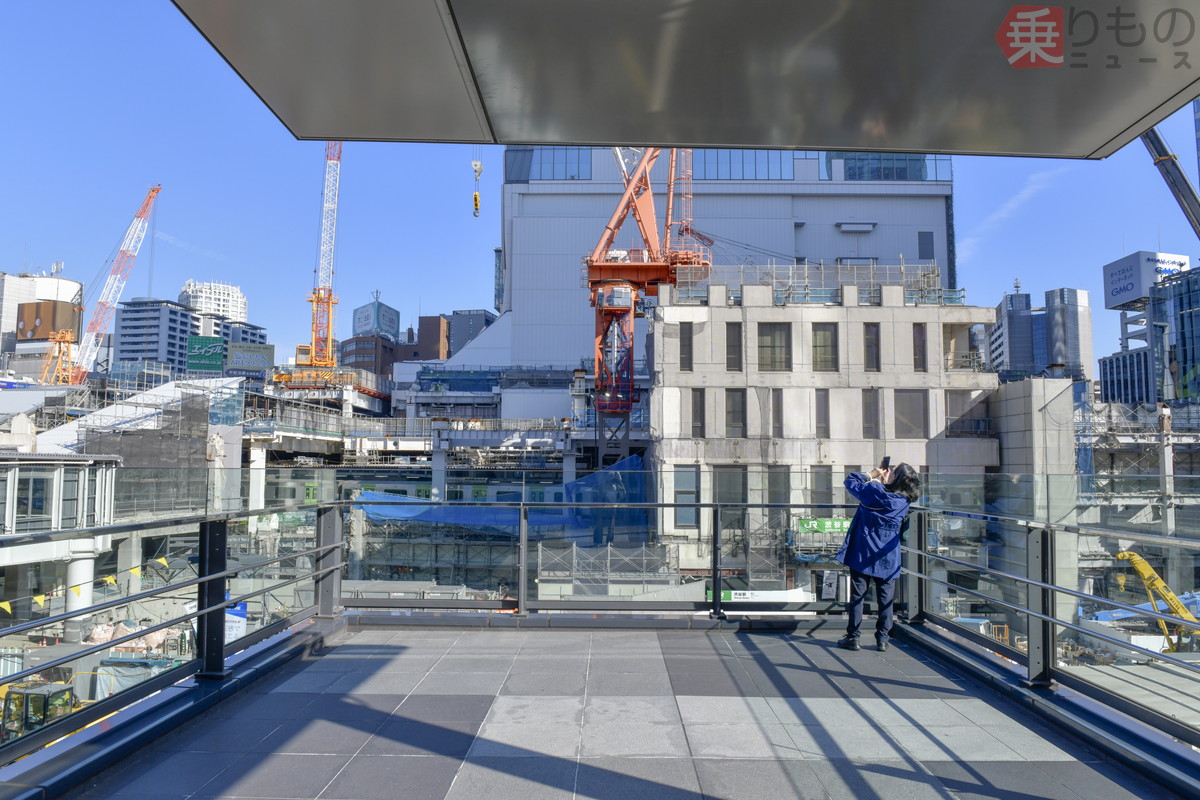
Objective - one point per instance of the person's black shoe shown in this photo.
(881, 645)
(849, 643)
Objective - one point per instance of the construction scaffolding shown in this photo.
(823, 283)
(608, 571)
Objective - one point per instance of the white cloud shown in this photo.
(191, 248)
(967, 246)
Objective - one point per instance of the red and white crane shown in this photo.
(102, 313)
(619, 279)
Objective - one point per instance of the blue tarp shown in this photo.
(1190, 600)
(620, 484)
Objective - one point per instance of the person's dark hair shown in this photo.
(905, 481)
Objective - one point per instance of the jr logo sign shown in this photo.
(1032, 36)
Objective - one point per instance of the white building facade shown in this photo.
(759, 399)
(215, 297)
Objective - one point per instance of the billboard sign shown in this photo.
(205, 354)
(249, 360)
(1127, 280)
(377, 317)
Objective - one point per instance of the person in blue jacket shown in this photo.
(872, 546)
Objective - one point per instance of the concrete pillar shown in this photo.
(437, 488)
(257, 491)
(129, 555)
(569, 467)
(357, 543)
(81, 572)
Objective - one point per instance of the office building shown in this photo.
(1027, 341)
(763, 208)
(1158, 297)
(151, 329)
(215, 297)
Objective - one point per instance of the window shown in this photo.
(454, 493)
(871, 345)
(822, 484)
(685, 347)
(775, 346)
(870, 413)
(919, 362)
(729, 486)
(69, 507)
(777, 413)
(779, 490)
(925, 245)
(912, 413)
(687, 490)
(479, 493)
(735, 413)
(825, 347)
(697, 413)
(733, 346)
(821, 406)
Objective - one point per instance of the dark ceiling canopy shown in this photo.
(929, 76)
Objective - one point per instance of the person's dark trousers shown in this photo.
(885, 594)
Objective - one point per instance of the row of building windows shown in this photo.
(730, 484)
(911, 409)
(774, 341)
(553, 163)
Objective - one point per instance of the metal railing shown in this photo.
(1037, 597)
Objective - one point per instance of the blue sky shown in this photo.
(105, 99)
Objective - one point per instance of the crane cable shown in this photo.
(477, 166)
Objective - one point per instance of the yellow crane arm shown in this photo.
(1156, 584)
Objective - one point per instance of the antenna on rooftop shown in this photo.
(375, 295)
(1016, 284)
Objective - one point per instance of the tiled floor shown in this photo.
(613, 715)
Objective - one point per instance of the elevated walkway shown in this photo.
(474, 712)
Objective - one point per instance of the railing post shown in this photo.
(1040, 567)
(329, 585)
(523, 563)
(917, 563)
(716, 612)
(210, 626)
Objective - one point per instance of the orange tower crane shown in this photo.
(321, 353)
(620, 279)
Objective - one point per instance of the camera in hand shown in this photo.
(887, 462)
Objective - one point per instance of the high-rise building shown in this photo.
(1026, 341)
(1158, 297)
(762, 207)
(151, 329)
(215, 297)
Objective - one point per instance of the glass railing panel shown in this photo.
(154, 494)
(421, 550)
(786, 555)
(135, 639)
(1122, 579)
(581, 554)
(969, 561)
(270, 552)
